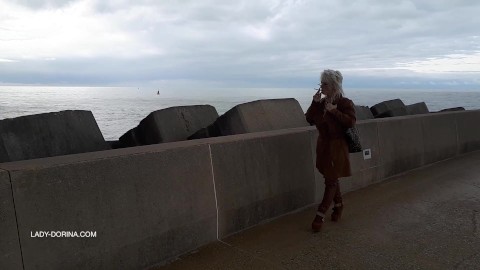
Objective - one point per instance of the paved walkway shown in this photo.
(426, 219)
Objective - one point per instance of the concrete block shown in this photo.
(394, 107)
(453, 109)
(401, 144)
(145, 206)
(417, 108)
(256, 116)
(114, 144)
(261, 178)
(363, 113)
(205, 132)
(393, 113)
(10, 255)
(439, 137)
(49, 134)
(129, 139)
(170, 125)
(468, 131)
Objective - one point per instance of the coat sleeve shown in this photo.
(311, 112)
(345, 114)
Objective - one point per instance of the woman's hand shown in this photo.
(318, 95)
(329, 106)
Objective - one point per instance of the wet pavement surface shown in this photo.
(428, 218)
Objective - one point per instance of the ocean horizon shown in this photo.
(118, 109)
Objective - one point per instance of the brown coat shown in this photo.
(332, 149)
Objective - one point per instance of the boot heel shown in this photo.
(337, 212)
(318, 222)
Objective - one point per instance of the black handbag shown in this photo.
(353, 140)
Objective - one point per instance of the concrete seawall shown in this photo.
(151, 203)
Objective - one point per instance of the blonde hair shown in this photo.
(334, 78)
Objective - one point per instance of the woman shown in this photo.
(332, 115)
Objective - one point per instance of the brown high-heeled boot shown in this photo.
(318, 222)
(337, 212)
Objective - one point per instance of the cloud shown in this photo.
(41, 4)
(269, 42)
(453, 63)
(6, 60)
(71, 31)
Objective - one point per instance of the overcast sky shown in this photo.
(255, 43)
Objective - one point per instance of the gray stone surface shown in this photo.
(453, 109)
(114, 144)
(468, 130)
(393, 113)
(365, 171)
(256, 116)
(426, 219)
(129, 139)
(205, 132)
(49, 134)
(10, 255)
(170, 125)
(151, 203)
(401, 144)
(146, 207)
(261, 178)
(417, 108)
(389, 108)
(439, 137)
(319, 181)
(363, 113)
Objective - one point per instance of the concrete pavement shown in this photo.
(428, 218)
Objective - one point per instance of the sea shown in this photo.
(118, 109)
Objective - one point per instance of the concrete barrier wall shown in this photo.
(468, 130)
(404, 143)
(262, 177)
(439, 137)
(365, 171)
(10, 256)
(149, 204)
(145, 206)
(400, 144)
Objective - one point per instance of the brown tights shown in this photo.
(331, 193)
